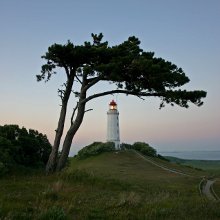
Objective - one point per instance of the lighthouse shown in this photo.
(113, 125)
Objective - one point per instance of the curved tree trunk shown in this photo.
(69, 137)
(52, 161)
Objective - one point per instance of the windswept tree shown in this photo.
(132, 71)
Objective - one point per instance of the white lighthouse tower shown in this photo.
(113, 125)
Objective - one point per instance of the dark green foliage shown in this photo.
(125, 146)
(162, 158)
(95, 149)
(133, 70)
(142, 147)
(145, 149)
(21, 147)
(99, 147)
(5, 155)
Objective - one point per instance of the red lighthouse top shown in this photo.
(113, 105)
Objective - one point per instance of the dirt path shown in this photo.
(162, 166)
(206, 190)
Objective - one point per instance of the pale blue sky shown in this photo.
(185, 32)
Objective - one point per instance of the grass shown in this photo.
(109, 186)
(216, 188)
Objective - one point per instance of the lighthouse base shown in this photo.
(117, 144)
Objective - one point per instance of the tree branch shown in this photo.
(61, 93)
(74, 110)
(93, 81)
(78, 80)
(88, 110)
(138, 94)
(179, 97)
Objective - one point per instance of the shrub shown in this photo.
(95, 149)
(162, 158)
(125, 146)
(145, 149)
(3, 169)
(21, 147)
(6, 155)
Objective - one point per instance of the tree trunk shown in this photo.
(52, 161)
(69, 137)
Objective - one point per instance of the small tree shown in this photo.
(19, 146)
(132, 71)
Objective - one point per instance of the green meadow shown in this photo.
(112, 185)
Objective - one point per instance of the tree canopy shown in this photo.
(132, 70)
(21, 147)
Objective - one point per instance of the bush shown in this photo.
(3, 169)
(145, 149)
(125, 146)
(95, 149)
(21, 147)
(99, 147)
(6, 155)
(162, 158)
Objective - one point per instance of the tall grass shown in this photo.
(108, 186)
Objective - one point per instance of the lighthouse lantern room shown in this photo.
(113, 125)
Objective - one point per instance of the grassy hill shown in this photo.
(113, 185)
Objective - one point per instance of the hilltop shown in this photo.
(112, 185)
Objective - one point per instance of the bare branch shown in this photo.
(64, 84)
(77, 94)
(74, 110)
(88, 110)
(78, 80)
(61, 93)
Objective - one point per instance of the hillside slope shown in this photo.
(108, 186)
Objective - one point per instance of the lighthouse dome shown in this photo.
(113, 105)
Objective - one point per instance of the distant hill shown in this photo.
(200, 164)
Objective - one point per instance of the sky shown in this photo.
(185, 32)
